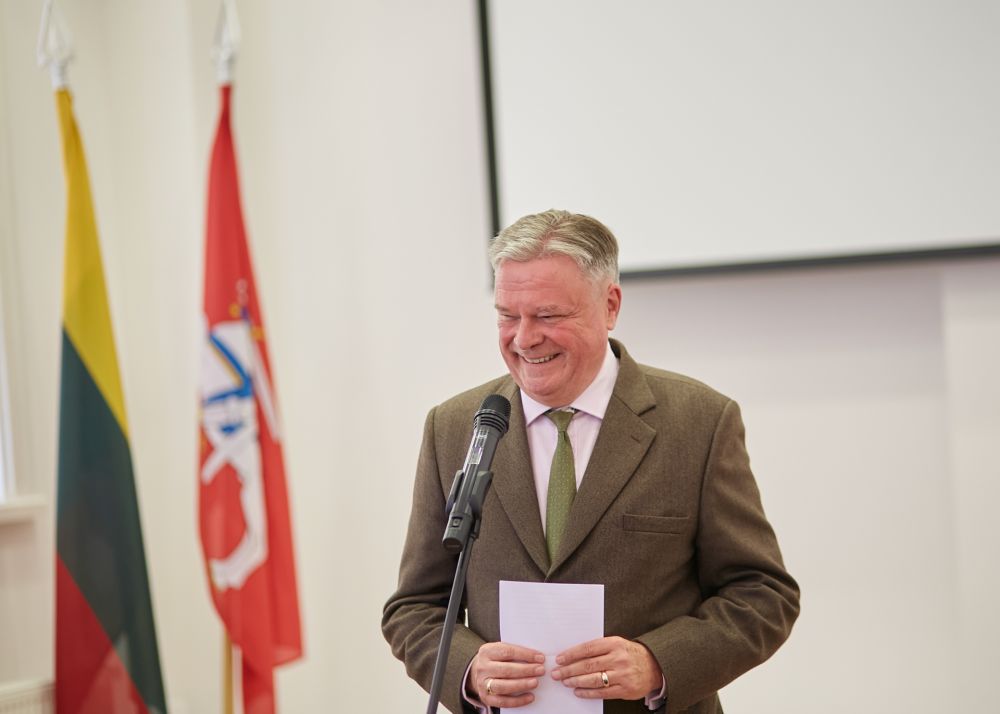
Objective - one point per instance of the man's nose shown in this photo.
(528, 334)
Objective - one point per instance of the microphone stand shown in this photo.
(459, 536)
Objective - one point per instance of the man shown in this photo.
(666, 513)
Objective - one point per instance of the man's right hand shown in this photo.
(503, 675)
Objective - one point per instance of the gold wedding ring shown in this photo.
(489, 685)
(605, 680)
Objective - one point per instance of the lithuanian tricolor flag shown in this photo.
(106, 656)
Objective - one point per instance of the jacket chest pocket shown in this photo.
(668, 525)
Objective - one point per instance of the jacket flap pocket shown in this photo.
(654, 524)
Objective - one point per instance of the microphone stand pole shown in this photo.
(459, 536)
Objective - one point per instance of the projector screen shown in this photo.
(738, 133)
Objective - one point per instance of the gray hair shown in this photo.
(586, 240)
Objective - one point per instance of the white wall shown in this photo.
(870, 396)
(870, 393)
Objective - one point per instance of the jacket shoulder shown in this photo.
(664, 379)
(681, 396)
(470, 400)
(642, 386)
(453, 417)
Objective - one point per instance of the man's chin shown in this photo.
(543, 394)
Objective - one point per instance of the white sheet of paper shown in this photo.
(551, 617)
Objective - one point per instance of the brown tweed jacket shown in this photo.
(667, 517)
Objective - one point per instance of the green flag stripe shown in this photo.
(98, 535)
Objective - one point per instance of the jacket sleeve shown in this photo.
(749, 600)
(413, 617)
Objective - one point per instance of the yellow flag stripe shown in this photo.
(86, 317)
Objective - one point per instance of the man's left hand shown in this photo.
(609, 668)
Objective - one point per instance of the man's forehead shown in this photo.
(500, 304)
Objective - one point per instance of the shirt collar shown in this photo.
(594, 399)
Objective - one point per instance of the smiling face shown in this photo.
(554, 322)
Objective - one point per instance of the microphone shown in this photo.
(465, 502)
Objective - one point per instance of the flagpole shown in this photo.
(227, 673)
(223, 54)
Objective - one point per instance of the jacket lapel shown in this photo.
(621, 445)
(514, 482)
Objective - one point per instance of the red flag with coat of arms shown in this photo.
(245, 526)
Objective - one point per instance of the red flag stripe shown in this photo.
(92, 678)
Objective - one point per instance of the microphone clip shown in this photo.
(465, 509)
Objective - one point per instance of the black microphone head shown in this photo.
(494, 412)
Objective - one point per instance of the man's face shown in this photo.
(554, 324)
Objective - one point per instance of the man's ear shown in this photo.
(614, 304)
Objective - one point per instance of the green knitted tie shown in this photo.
(562, 483)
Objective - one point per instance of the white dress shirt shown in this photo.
(583, 429)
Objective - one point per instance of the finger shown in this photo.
(589, 680)
(510, 670)
(509, 702)
(612, 692)
(507, 693)
(493, 687)
(595, 686)
(587, 650)
(583, 668)
(506, 652)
